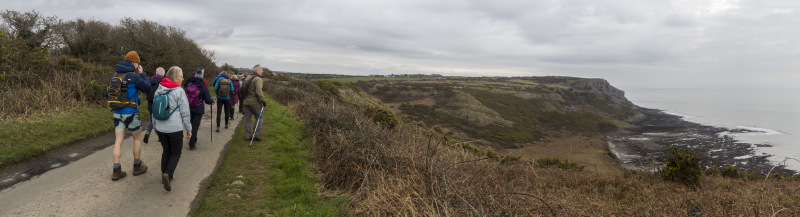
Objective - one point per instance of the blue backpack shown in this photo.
(161, 109)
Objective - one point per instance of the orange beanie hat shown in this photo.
(132, 56)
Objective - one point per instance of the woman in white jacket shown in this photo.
(170, 131)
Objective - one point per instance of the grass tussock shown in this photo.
(403, 171)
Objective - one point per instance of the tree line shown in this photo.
(35, 48)
(105, 44)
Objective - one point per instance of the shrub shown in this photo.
(303, 84)
(683, 167)
(381, 116)
(730, 171)
(69, 63)
(551, 162)
(328, 88)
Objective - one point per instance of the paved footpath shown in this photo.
(84, 187)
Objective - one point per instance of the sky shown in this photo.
(630, 43)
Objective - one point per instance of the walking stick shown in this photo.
(211, 129)
(254, 129)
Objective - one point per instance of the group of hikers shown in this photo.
(176, 105)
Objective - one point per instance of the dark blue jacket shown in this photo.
(204, 95)
(136, 82)
(154, 81)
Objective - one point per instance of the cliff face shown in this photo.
(601, 86)
(507, 112)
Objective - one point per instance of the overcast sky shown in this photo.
(633, 43)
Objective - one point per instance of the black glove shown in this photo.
(264, 104)
(212, 102)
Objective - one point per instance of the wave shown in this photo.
(755, 131)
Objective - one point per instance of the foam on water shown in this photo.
(759, 131)
(764, 117)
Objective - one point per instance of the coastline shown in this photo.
(643, 146)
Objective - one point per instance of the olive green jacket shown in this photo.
(254, 94)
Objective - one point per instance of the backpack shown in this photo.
(161, 107)
(236, 86)
(224, 88)
(243, 93)
(117, 92)
(193, 94)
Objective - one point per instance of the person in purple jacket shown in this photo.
(128, 118)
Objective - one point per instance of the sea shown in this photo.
(769, 116)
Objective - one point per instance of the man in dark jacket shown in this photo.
(128, 118)
(198, 111)
(154, 81)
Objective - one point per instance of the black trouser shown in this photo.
(172, 144)
(196, 118)
(223, 103)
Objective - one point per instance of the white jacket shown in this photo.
(176, 98)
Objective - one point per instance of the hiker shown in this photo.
(224, 89)
(241, 105)
(170, 131)
(197, 93)
(253, 103)
(235, 94)
(128, 117)
(154, 81)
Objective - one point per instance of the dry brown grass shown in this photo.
(48, 92)
(412, 173)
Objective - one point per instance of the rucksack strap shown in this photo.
(247, 85)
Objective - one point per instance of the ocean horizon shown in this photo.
(765, 116)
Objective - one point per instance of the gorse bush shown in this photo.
(682, 167)
(381, 116)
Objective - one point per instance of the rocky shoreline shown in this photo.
(642, 147)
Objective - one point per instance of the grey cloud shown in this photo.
(617, 39)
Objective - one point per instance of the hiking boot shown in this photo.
(247, 138)
(218, 129)
(118, 174)
(192, 148)
(140, 168)
(257, 138)
(226, 125)
(165, 179)
(146, 137)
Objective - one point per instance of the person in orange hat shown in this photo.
(128, 117)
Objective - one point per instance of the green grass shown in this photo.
(275, 172)
(44, 132)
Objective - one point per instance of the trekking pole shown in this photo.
(254, 129)
(211, 130)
